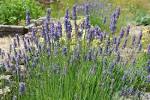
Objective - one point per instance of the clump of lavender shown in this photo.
(95, 63)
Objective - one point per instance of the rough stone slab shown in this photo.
(12, 30)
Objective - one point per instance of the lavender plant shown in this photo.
(79, 70)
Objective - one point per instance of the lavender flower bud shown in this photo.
(122, 33)
(33, 34)
(140, 37)
(18, 40)
(118, 57)
(100, 50)
(48, 14)
(25, 45)
(133, 40)
(90, 35)
(74, 13)
(27, 17)
(117, 12)
(69, 30)
(22, 87)
(80, 34)
(48, 52)
(67, 14)
(86, 9)
(59, 29)
(87, 22)
(14, 43)
(64, 51)
(114, 40)
(112, 67)
(89, 55)
(113, 23)
(128, 30)
(125, 43)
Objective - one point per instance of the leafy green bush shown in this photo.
(13, 11)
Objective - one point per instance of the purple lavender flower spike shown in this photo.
(86, 9)
(118, 43)
(113, 23)
(48, 52)
(64, 51)
(10, 48)
(122, 33)
(48, 14)
(52, 30)
(117, 12)
(118, 57)
(67, 14)
(100, 50)
(74, 12)
(140, 37)
(18, 40)
(80, 34)
(89, 55)
(68, 30)
(90, 35)
(127, 31)
(125, 43)
(33, 33)
(115, 40)
(59, 29)
(66, 24)
(114, 18)
(14, 43)
(133, 40)
(112, 67)
(25, 44)
(87, 22)
(27, 17)
(46, 27)
(22, 88)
